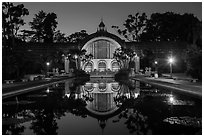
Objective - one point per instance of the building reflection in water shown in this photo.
(101, 94)
(104, 97)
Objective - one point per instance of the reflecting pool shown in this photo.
(102, 106)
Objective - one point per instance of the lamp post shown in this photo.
(48, 64)
(156, 69)
(171, 61)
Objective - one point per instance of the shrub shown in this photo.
(80, 73)
(122, 74)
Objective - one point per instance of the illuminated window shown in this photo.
(115, 66)
(88, 67)
(102, 66)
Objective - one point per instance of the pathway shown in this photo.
(22, 87)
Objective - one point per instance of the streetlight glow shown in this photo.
(75, 56)
(48, 90)
(171, 99)
(48, 63)
(171, 60)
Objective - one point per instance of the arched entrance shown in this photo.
(88, 67)
(101, 66)
(115, 66)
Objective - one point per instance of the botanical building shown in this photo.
(101, 45)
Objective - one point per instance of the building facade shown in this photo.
(102, 46)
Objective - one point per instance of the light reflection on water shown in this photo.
(100, 106)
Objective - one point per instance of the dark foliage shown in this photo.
(122, 74)
(43, 26)
(194, 62)
(80, 73)
(77, 36)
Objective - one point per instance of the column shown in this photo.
(66, 65)
(137, 64)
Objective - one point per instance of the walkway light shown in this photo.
(75, 57)
(156, 69)
(171, 99)
(48, 64)
(48, 90)
(171, 61)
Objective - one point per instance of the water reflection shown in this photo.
(139, 106)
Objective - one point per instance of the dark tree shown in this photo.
(44, 26)
(77, 36)
(170, 26)
(12, 20)
(59, 37)
(26, 35)
(37, 26)
(50, 25)
(134, 27)
(162, 27)
(193, 60)
(147, 58)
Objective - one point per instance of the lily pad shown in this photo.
(180, 103)
(185, 121)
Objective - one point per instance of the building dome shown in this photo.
(101, 45)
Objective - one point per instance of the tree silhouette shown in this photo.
(44, 26)
(12, 20)
(134, 27)
(50, 24)
(77, 36)
(37, 25)
(170, 26)
(147, 58)
(59, 37)
(193, 58)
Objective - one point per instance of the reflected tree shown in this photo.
(135, 122)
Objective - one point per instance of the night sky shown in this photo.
(73, 17)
